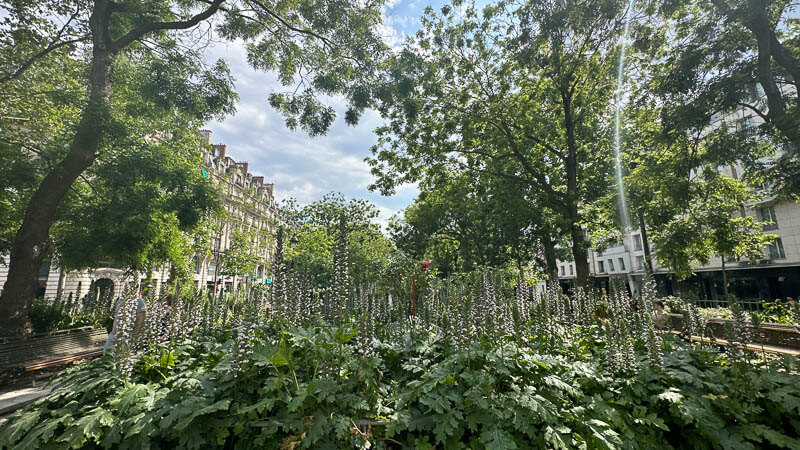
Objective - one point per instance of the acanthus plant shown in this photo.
(483, 362)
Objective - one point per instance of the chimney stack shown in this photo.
(220, 148)
(205, 135)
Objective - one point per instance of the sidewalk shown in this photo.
(13, 400)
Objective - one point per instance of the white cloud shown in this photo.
(302, 167)
(384, 214)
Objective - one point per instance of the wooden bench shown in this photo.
(772, 334)
(45, 350)
(756, 348)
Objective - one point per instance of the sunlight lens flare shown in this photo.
(624, 215)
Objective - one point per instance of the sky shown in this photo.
(302, 167)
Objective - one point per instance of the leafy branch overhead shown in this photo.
(517, 92)
(141, 75)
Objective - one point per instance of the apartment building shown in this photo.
(250, 205)
(776, 275)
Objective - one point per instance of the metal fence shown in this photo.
(747, 305)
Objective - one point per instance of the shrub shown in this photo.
(481, 365)
(47, 315)
(311, 387)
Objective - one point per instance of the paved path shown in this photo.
(13, 400)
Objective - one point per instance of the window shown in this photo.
(212, 267)
(640, 262)
(621, 263)
(747, 127)
(601, 266)
(196, 264)
(217, 243)
(562, 271)
(571, 272)
(776, 249)
(610, 265)
(637, 242)
(768, 215)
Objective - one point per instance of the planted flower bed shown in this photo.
(483, 364)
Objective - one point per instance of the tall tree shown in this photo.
(316, 228)
(461, 221)
(138, 210)
(677, 183)
(519, 91)
(240, 258)
(729, 55)
(329, 47)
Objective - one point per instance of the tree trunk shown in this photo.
(645, 244)
(32, 240)
(580, 254)
(769, 47)
(62, 280)
(550, 257)
(579, 251)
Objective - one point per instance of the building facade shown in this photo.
(250, 206)
(776, 275)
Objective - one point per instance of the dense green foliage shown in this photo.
(463, 221)
(525, 93)
(315, 229)
(514, 91)
(143, 191)
(731, 56)
(136, 82)
(474, 362)
(311, 386)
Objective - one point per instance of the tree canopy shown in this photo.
(317, 229)
(719, 57)
(136, 63)
(516, 91)
(463, 221)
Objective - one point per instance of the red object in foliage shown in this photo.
(425, 265)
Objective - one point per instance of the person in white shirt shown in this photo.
(141, 311)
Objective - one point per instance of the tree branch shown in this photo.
(555, 201)
(559, 154)
(141, 30)
(27, 64)
(553, 195)
(289, 26)
(755, 110)
(784, 58)
(86, 180)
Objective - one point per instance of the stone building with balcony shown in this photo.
(250, 205)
